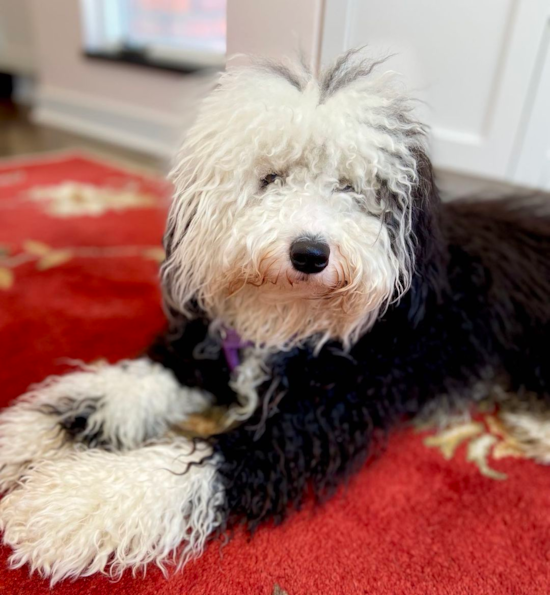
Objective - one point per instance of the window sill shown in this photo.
(141, 59)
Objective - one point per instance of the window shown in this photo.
(179, 34)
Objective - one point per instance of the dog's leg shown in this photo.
(116, 407)
(99, 511)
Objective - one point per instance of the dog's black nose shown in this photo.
(309, 256)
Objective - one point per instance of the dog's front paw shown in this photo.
(98, 511)
(124, 405)
(115, 407)
(27, 435)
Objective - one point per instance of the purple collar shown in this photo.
(231, 345)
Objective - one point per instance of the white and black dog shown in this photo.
(317, 291)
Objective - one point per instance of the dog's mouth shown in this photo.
(282, 282)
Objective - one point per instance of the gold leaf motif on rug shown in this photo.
(156, 254)
(486, 439)
(450, 439)
(6, 278)
(478, 452)
(36, 248)
(54, 259)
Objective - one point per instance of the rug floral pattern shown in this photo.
(74, 199)
(44, 257)
(486, 439)
(69, 199)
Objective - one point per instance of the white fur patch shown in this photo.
(26, 435)
(130, 402)
(249, 375)
(97, 511)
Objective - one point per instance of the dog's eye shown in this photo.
(345, 187)
(269, 179)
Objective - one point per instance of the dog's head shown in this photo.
(296, 203)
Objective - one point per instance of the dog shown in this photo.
(318, 293)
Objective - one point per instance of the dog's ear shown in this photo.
(167, 274)
(428, 277)
(413, 221)
(166, 270)
(171, 240)
(426, 209)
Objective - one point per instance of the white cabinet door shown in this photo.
(532, 164)
(471, 61)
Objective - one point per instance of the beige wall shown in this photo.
(16, 39)
(275, 27)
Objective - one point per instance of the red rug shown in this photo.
(456, 512)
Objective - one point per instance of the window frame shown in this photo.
(102, 25)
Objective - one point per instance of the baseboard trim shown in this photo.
(135, 128)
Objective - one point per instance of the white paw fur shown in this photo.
(125, 404)
(137, 401)
(98, 511)
(26, 436)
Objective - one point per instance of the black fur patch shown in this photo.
(73, 416)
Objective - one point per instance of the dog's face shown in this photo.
(292, 215)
